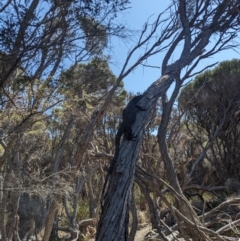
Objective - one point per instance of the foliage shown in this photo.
(40, 36)
(211, 105)
(96, 34)
(87, 82)
(83, 210)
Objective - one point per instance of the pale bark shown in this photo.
(50, 220)
(57, 161)
(15, 194)
(7, 178)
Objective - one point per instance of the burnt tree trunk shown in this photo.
(113, 222)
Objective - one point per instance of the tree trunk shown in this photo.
(3, 205)
(50, 220)
(153, 212)
(134, 219)
(113, 221)
(92, 199)
(15, 194)
(184, 207)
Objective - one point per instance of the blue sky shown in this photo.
(141, 78)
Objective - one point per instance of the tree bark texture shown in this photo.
(50, 220)
(3, 204)
(134, 220)
(15, 194)
(112, 223)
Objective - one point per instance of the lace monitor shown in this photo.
(125, 129)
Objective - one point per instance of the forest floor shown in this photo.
(140, 233)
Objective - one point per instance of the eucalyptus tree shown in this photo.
(211, 105)
(42, 36)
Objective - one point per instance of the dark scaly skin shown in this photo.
(129, 117)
